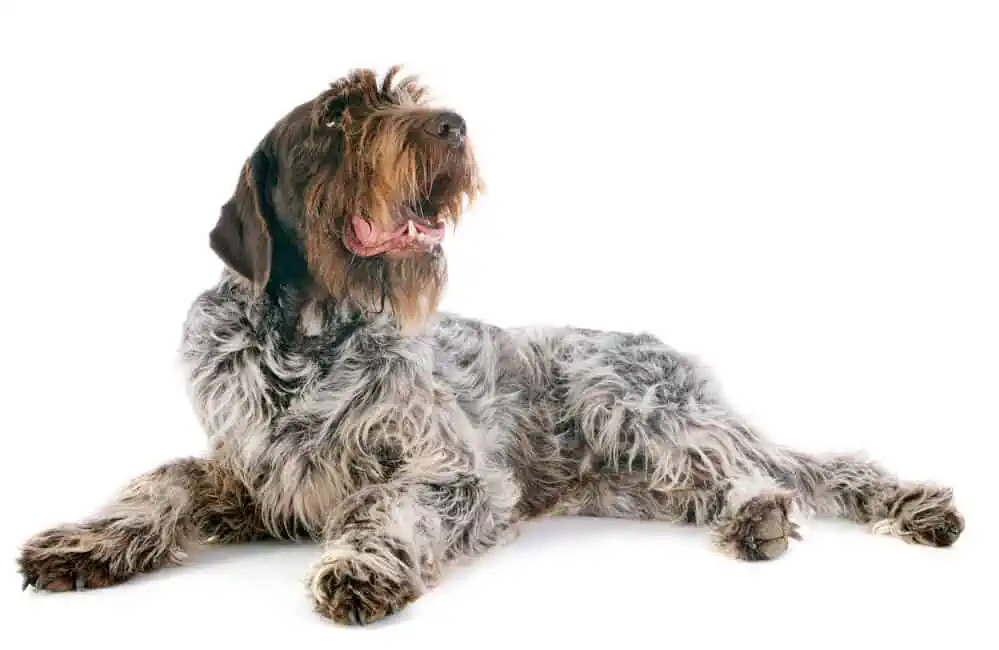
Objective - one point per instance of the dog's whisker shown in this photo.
(341, 406)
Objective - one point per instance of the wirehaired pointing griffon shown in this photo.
(342, 407)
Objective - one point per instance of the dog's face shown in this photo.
(350, 195)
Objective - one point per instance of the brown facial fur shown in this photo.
(404, 463)
(359, 148)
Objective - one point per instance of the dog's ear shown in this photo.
(241, 237)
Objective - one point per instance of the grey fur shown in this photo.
(443, 442)
(403, 454)
(405, 450)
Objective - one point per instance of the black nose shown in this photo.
(448, 126)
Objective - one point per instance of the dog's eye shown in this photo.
(335, 113)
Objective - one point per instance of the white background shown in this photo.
(804, 194)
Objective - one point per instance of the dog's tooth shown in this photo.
(411, 229)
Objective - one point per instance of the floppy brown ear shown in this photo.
(241, 236)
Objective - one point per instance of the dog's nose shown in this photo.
(448, 126)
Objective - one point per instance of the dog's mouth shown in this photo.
(417, 227)
(415, 232)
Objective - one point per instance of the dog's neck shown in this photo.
(293, 311)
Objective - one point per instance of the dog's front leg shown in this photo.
(390, 542)
(156, 519)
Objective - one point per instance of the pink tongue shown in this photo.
(365, 234)
(368, 235)
(367, 240)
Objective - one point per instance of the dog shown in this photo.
(341, 406)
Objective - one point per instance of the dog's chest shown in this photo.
(254, 386)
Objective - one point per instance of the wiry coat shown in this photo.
(483, 427)
(342, 408)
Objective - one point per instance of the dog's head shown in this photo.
(349, 196)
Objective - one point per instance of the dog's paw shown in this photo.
(354, 588)
(923, 514)
(760, 529)
(68, 558)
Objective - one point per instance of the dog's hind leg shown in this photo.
(156, 519)
(659, 442)
(745, 491)
(853, 488)
(747, 511)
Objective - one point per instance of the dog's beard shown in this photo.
(408, 283)
(373, 229)
(415, 284)
(407, 280)
(408, 286)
